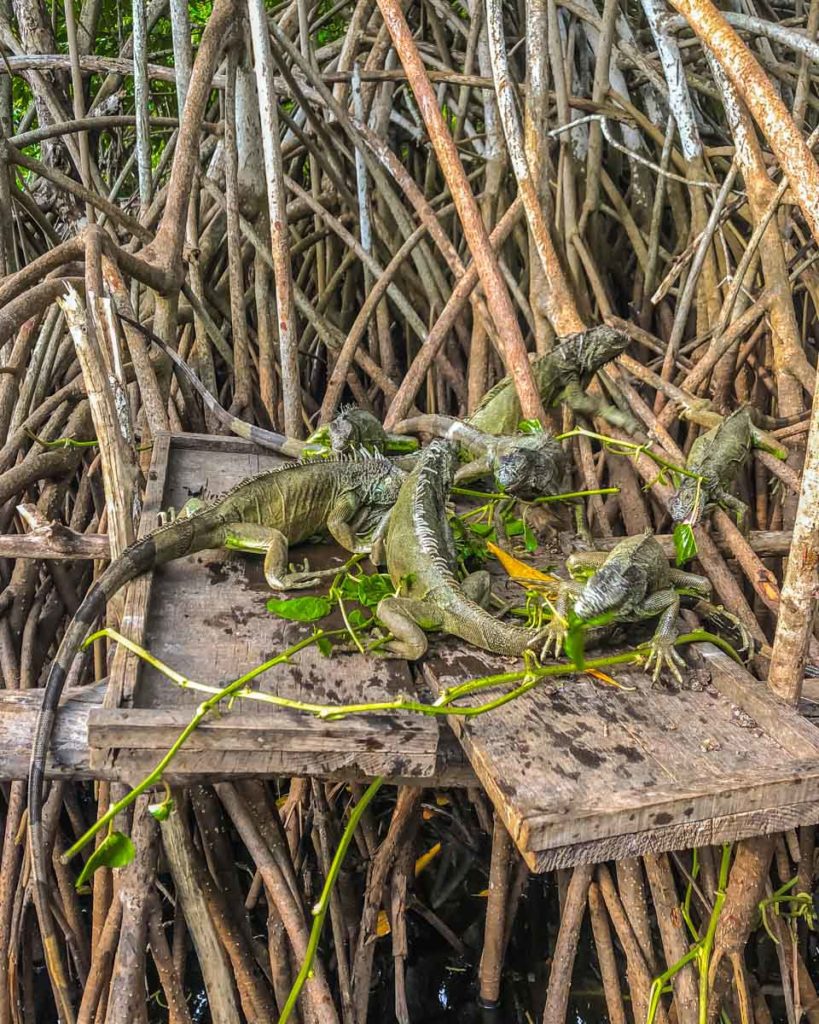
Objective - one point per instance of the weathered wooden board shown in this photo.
(582, 772)
(205, 616)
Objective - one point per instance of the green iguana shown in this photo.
(419, 551)
(525, 465)
(345, 495)
(562, 375)
(630, 583)
(351, 430)
(717, 456)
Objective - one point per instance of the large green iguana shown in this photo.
(562, 375)
(717, 457)
(351, 430)
(419, 550)
(630, 583)
(345, 495)
(525, 465)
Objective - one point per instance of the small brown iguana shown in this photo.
(345, 495)
(630, 583)
(419, 550)
(525, 465)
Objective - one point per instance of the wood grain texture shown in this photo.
(205, 616)
(582, 772)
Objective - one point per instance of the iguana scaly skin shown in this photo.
(351, 430)
(346, 496)
(562, 375)
(631, 582)
(717, 456)
(420, 554)
(525, 465)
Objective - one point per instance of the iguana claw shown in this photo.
(555, 632)
(662, 654)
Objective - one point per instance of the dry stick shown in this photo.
(673, 934)
(491, 964)
(416, 375)
(560, 976)
(559, 302)
(606, 958)
(762, 100)
(216, 973)
(510, 338)
(798, 601)
(178, 1012)
(746, 887)
(274, 173)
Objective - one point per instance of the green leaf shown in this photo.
(324, 646)
(357, 618)
(529, 539)
(161, 812)
(482, 529)
(371, 589)
(530, 427)
(574, 641)
(514, 527)
(685, 543)
(300, 609)
(115, 851)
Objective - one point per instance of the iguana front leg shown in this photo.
(666, 603)
(576, 398)
(729, 502)
(267, 541)
(474, 470)
(340, 525)
(406, 618)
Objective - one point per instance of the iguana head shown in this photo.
(689, 502)
(599, 346)
(532, 466)
(356, 428)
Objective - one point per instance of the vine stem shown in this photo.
(613, 443)
(323, 904)
(466, 492)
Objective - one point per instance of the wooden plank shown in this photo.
(206, 617)
(790, 729)
(69, 754)
(579, 771)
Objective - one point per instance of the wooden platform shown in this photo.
(206, 617)
(578, 771)
(582, 772)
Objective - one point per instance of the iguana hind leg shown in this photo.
(406, 618)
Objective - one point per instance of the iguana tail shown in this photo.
(266, 438)
(178, 538)
(444, 426)
(463, 618)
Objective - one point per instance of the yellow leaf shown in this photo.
(482, 894)
(517, 569)
(382, 925)
(427, 858)
(281, 801)
(595, 674)
(442, 801)
(428, 813)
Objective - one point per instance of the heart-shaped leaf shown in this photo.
(685, 543)
(300, 609)
(161, 812)
(115, 851)
(530, 427)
